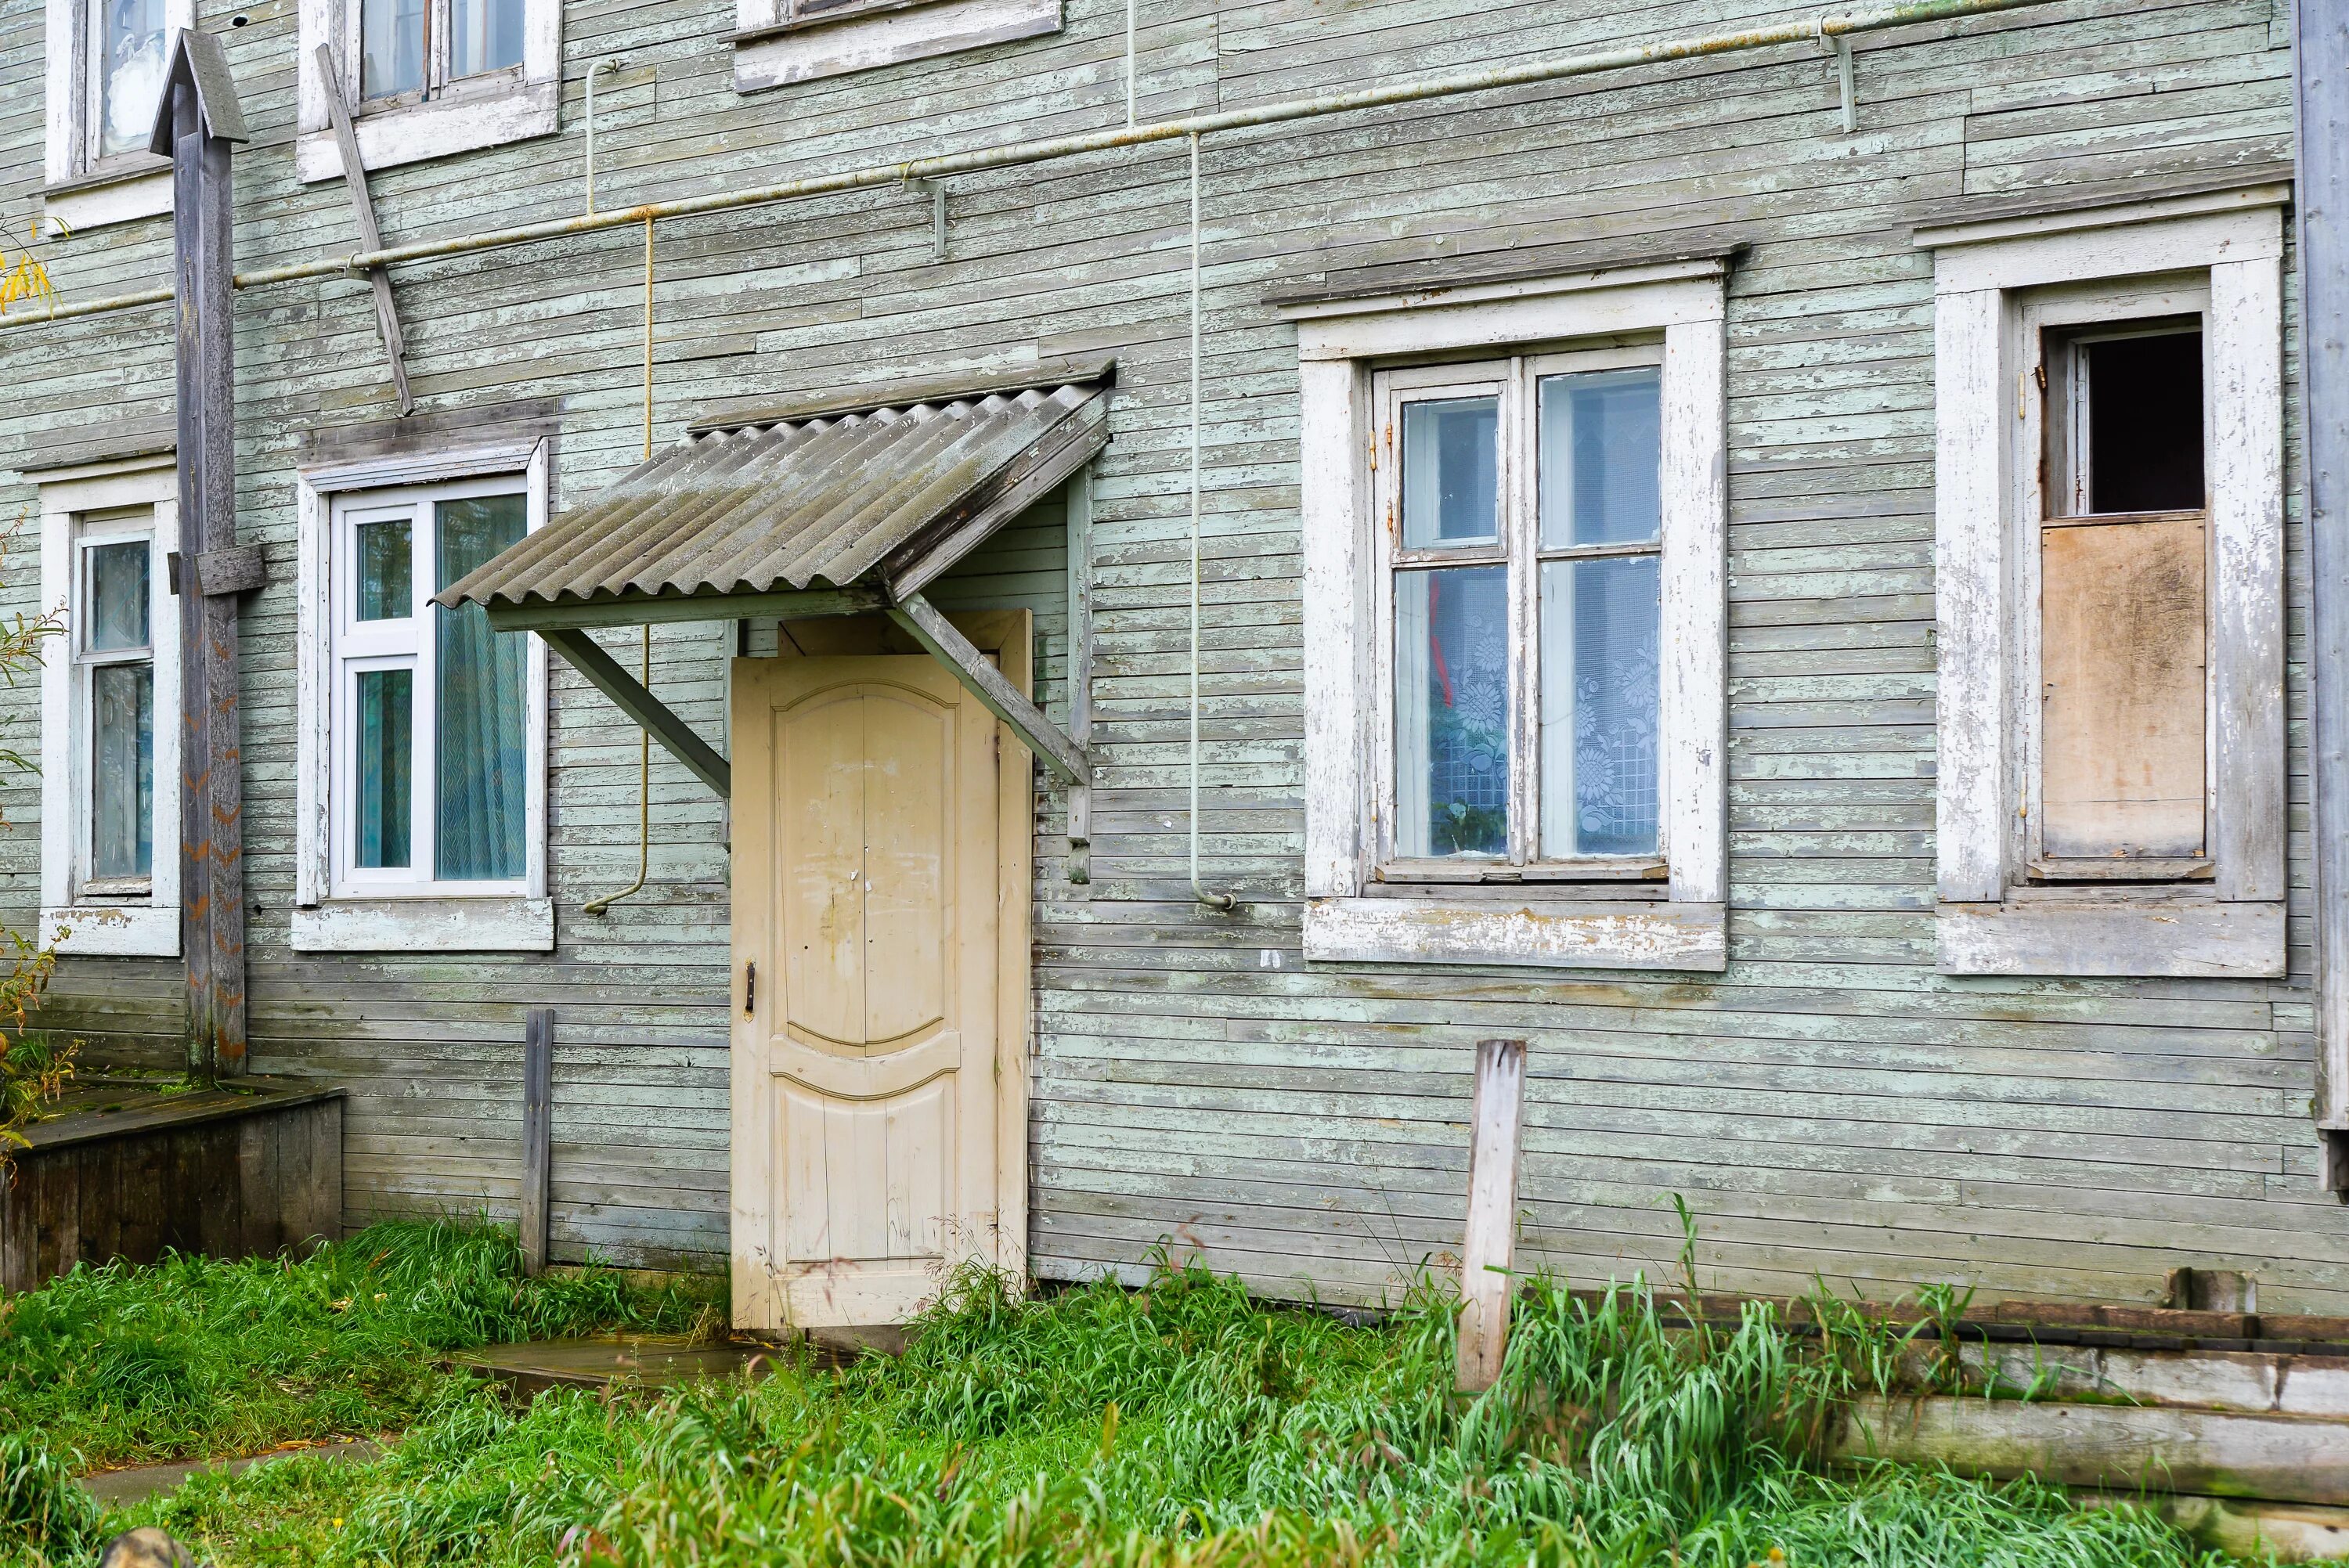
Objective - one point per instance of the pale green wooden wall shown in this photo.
(1827, 1106)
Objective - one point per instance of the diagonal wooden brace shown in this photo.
(604, 672)
(1055, 750)
(387, 315)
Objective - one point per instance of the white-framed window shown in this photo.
(425, 78)
(778, 42)
(1515, 622)
(105, 79)
(109, 705)
(2109, 583)
(422, 809)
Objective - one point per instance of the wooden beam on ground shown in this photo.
(1488, 1249)
(922, 621)
(605, 674)
(537, 1136)
(387, 314)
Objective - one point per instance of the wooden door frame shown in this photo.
(1009, 635)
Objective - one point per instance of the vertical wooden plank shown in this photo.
(1332, 442)
(1696, 611)
(1488, 1249)
(537, 1134)
(212, 798)
(1970, 464)
(2247, 588)
(2321, 56)
(1080, 667)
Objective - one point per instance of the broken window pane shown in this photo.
(391, 48)
(122, 771)
(1451, 712)
(127, 60)
(483, 35)
(1451, 472)
(481, 734)
(381, 813)
(1600, 702)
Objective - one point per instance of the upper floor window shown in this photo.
(109, 705)
(1522, 546)
(105, 81)
(425, 78)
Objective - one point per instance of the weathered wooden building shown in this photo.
(1782, 573)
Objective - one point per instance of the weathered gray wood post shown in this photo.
(196, 124)
(537, 1137)
(1488, 1248)
(2321, 57)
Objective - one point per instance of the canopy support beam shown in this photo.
(605, 674)
(1055, 750)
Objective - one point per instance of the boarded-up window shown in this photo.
(2124, 607)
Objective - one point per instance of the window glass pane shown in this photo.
(1451, 472)
(480, 740)
(483, 35)
(126, 44)
(117, 596)
(386, 575)
(1601, 457)
(1452, 711)
(122, 775)
(1600, 699)
(391, 48)
(386, 699)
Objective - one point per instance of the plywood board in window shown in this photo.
(2124, 639)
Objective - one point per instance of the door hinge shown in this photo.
(750, 990)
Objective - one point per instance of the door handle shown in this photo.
(750, 990)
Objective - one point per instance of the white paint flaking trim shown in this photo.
(426, 925)
(1426, 931)
(884, 38)
(2152, 939)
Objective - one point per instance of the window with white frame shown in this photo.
(1516, 621)
(2109, 580)
(109, 771)
(778, 42)
(1522, 526)
(425, 78)
(423, 762)
(105, 79)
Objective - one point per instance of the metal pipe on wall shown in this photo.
(1218, 901)
(1017, 154)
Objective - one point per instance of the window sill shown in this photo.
(113, 931)
(1530, 932)
(436, 130)
(866, 38)
(426, 925)
(96, 200)
(2115, 935)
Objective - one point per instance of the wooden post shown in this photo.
(2321, 59)
(198, 120)
(1489, 1248)
(537, 1135)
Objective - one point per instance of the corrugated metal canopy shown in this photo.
(890, 495)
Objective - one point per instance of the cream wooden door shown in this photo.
(869, 1144)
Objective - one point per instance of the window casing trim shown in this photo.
(2229, 262)
(1341, 345)
(428, 915)
(496, 108)
(776, 42)
(80, 192)
(95, 923)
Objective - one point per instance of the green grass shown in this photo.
(194, 1357)
(1178, 1424)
